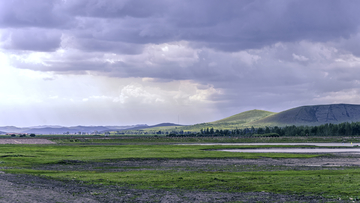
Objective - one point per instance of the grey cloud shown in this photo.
(32, 39)
(237, 25)
(228, 26)
(115, 8)
(94, 45)
(37, 13)
(273, 31)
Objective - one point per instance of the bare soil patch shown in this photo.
(26, 188)
(25, 141)
(225, 165)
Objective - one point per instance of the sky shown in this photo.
(125, 62)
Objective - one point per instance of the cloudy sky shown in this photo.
(120, 62)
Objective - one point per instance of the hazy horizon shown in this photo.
(112, 62)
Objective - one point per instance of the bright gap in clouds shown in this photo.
(31, 98)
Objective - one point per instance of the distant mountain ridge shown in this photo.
(61, 129)
(55, 129)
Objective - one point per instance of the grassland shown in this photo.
(151, 139)
(329, 183)
(30, 156)
(154, 163)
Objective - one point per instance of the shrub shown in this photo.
(266, 135)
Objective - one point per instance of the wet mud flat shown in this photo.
(33, 188)
(336, 162)
(27, 188)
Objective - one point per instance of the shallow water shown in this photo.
(296, 150)
(312, 144)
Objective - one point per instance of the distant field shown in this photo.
(162, 139)
(130, 139)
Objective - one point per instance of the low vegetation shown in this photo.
(329, 183)
(100, 156)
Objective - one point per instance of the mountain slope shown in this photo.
(154, 127)
(313, 115)
(245, 117)
(240, 120)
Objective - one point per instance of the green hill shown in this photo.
(240, 120)
(313, 115)
(303, 115)
(245, 117)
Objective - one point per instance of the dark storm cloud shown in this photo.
(32, 39)
(228, 26)
(37, 13)
(94, 45)
(275, 52)
(116, 8)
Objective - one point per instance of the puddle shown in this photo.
(311, 144)
(295, 150)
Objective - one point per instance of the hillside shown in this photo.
(303, 115)
(240, 120)
(245, 117)
(313, 115)
(161, 126)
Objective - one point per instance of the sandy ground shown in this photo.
(26, 141)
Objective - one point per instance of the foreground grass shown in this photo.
(30, 155)
(328, 183)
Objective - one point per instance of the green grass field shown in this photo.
(329, 183)
(30, 155)
(32, 159)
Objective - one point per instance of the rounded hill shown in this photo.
(313, 115)
(245, 117)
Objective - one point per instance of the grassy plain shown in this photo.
(34, 160)
(32, 155)
(328, 183)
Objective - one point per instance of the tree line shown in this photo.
(329, 129)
